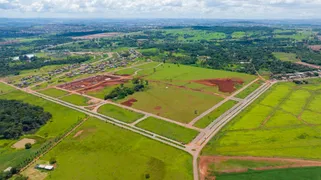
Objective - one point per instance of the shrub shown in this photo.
(28, 145)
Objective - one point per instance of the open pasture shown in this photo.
(76, 100)
(53, 92)
(284, 122)
(169, 130)
(195, 35)
(102, 150)
(119, 113)
(175, 103)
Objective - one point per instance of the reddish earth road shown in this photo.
(205, 161)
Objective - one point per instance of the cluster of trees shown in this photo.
(122, 91)
(18, 118)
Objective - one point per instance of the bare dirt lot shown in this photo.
(101, 35)
(315, 47)
(224, 85)
(21, 144)
(205, 161)
(130, 102)
(94, 83)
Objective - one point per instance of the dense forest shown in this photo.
(18, 118)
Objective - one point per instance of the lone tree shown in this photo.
(28, 145)
(147, 176)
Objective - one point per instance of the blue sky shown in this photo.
(217, 9)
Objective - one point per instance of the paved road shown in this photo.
(202, 139)
(221, 103)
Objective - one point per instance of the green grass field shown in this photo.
(291, 57)
(205, 121)
(76, 99)
(5, 89)
(105, 151)
(310, 173)
(195, 35)
(54, 92)
(176, 103)
(167, 129)
(249, 90)
(282, 123)
(62, 119)
(119, 113)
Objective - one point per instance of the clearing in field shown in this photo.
(284, 122)
(21, 143)
(119, 113)
(291, 57)
(117, 154)
(53, 92)
(169, 130)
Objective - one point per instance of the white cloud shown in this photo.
(168, 8)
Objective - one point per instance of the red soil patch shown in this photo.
(315, 47)
(130, 102)
(226, 85)
(158, 108)
(94, 83)
(205, 161)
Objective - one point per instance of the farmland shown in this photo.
(119, 113)
(168, 129)
(117, 147)
(278, 124)
(276, 174)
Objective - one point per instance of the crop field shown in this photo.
(284, 122)
(208, 119)
(169, 130)
(76, 100)
(117, 154)
(119, 113)
(276, 174)
(53, 92)
(291, 57)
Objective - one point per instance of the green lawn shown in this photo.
(119, 113)
(291, 57)
(283, 122)
(310, 173)
(53, 92)
(208, 119)
(169, 130)
(103, 92)
(105, 151)
(76, 99)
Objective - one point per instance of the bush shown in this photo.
(52, 160)
(28, 146)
